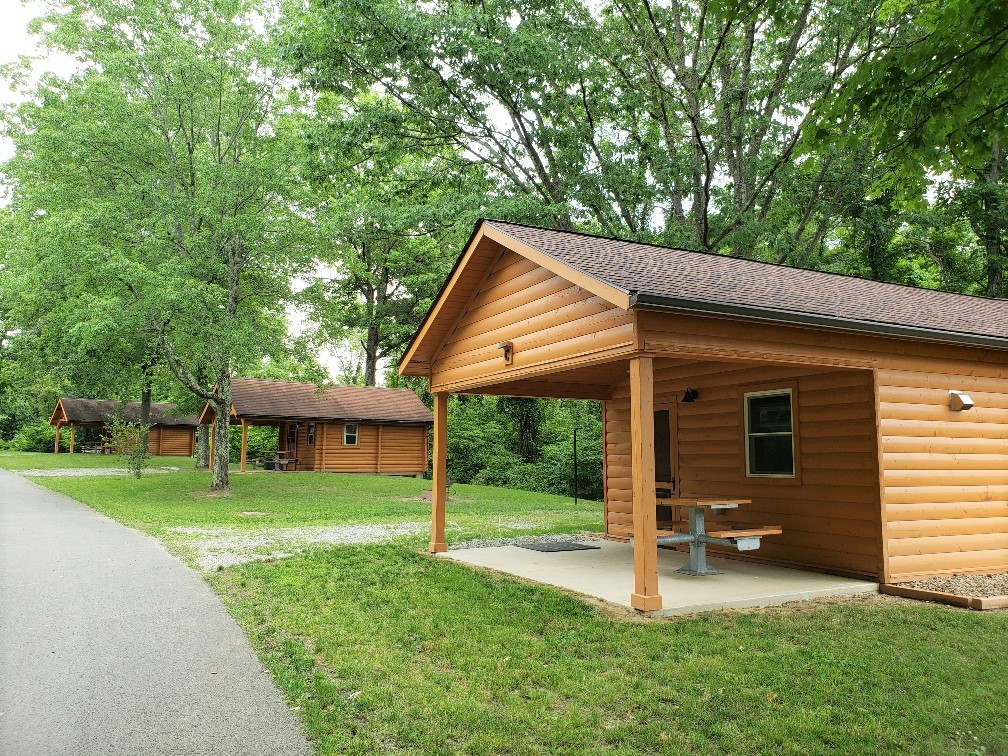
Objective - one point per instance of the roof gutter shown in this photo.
(767, 315)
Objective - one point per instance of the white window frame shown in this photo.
(310, 435)
(794, 458)
(355, 434)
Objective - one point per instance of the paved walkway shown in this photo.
(109, 645)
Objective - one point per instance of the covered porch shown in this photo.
(676, 430)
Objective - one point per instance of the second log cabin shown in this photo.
(364, 429)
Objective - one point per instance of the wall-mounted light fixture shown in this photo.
(959, 401)
(690, 395)
(508, 349)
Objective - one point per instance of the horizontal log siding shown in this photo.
(831, 520)
(945, 473)
(550, 321)
(171, 441)
(403, 449)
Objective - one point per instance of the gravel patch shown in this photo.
(483, 543)
(216, 548)
(85, 472)
(977, 586)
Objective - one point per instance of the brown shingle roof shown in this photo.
(677, 279)
(263, 398)
(100, 412)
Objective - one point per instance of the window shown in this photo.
(350, 435)
(292, 436)
(769, 426)
(311, 434)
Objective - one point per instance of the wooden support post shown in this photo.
(212, 434)
(72, 437)
(645, 596)
(440, 474)
(56, 440)
(244, 447)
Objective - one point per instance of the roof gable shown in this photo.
(483, 250)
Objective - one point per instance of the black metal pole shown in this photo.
(575, 467)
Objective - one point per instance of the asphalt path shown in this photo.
(110, 645)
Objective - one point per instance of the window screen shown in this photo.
(769, 434)
(350, 435)
(291, 436)
(311, 435)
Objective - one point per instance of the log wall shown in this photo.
(385, 449)
(830, 512)
(172, 441)
(550, 321)
(945, 474)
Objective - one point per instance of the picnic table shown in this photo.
(277, 459)
(697, 537)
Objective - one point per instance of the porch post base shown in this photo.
(645, 603)
(437, 548)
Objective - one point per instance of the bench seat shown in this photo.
(763, 530)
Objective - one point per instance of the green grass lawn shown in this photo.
(383, 649)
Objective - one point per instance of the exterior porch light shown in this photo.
(959, 401)
(507, 348)
(690, 395)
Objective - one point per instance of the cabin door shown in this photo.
(666, 424)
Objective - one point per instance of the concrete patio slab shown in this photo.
(607, 573)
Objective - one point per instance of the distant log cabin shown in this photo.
(171, 435)
(868, 420)
(360, 429)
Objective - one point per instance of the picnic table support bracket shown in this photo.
(439, 474)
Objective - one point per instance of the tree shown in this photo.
(391, 220)
(677, 122)
(934, 101)
(164, 162)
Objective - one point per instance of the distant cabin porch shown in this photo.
(690, 429)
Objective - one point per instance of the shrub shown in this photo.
(126, 440)
(39, 437)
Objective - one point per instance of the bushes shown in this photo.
(260, 439)
(39, 437)
(489, 444)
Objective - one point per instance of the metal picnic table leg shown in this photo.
(697, 549)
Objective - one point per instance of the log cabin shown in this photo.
(868, 420)
(171, 435)
(359, 429)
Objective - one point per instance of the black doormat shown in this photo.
(556, 546)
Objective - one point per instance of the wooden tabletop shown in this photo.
(705, 503)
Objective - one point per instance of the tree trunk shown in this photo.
(371, 354)
(221, 405)
(202, 447)
(202, 435)
(145, 406)
(993, 224)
